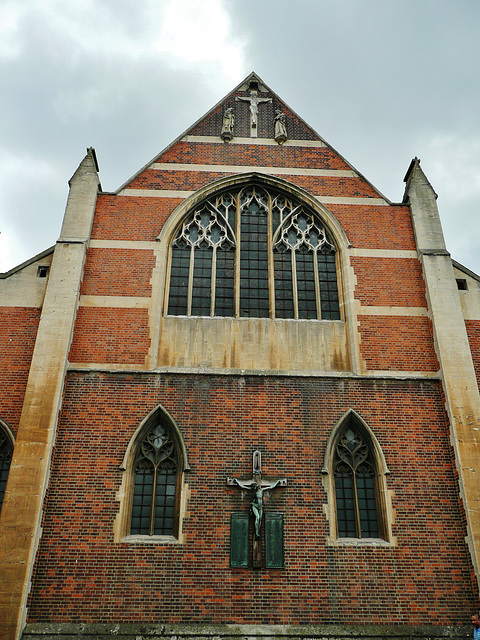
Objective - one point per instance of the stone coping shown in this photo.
(144, 631)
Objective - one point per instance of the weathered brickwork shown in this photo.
(18, 330)
(82, 575)
(396, 282)
(192, 180)
(253, 155)
(473, 331)
(392, 343)
(287, 408)
(131, 218)
(376, 227)
(212, 124)
(110, 335)
(118, 272)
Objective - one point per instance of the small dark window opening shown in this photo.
(462, 284)
(6, 451)
(42, 271)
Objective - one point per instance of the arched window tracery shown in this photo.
(152, 494)
(355, 473)
(155, 484)
(253, 252)
(354, 470)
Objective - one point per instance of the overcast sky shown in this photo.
(381, 80)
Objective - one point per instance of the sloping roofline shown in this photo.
(28, 262)
(248, 79)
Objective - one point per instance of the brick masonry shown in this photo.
(82, 575)
(18, 330)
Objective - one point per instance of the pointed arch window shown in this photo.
(357, 470)
(354, 470)
(152, 493)
(6, 453)
(155, 485)
(253, 252)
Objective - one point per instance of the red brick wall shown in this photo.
(253, 155)
(376, 227)
(396, 282)
(131, 218)
(473, 331)
(18, 330)
(118, 272)
(110, 335)
(192, 180)
(397, 343)
(82, 576)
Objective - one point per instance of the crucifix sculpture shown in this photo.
(257, 486)
(254, 101)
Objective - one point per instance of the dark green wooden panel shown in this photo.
(239, 540)
(274, 555)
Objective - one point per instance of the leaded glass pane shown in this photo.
(283, 284)
(307, 300)
(224, 286)
(345, 504)
(355, 487)
(327, 275)
(155, 485)
(254, 256)
(207, 259)
(177, 303)
(367, 503)
(202, 282)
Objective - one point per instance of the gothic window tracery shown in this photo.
(252, 252)
(156, 471)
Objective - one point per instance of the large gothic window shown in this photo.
(155, 489)
(354, 470)
(253, 253)
(6, 452)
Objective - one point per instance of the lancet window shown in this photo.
(155, 489)
(253, 252)
(356, 492)
(6, 452)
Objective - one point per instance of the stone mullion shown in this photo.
(294, 284)
(213, 281)
(190, 281)
(236, 285)
(317, 284)
(271, 268)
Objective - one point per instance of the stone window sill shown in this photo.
(137, 539)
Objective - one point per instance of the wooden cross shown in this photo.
(257, 485)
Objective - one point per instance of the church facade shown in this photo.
(240, 398)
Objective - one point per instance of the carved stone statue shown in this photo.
(280, 127)
(227, 125)
(253, 101)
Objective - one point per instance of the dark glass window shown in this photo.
(253, 253)
(6, 451)
(155, 485)
(354, 471)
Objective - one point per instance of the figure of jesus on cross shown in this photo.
(257, 486)
(253, 101)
